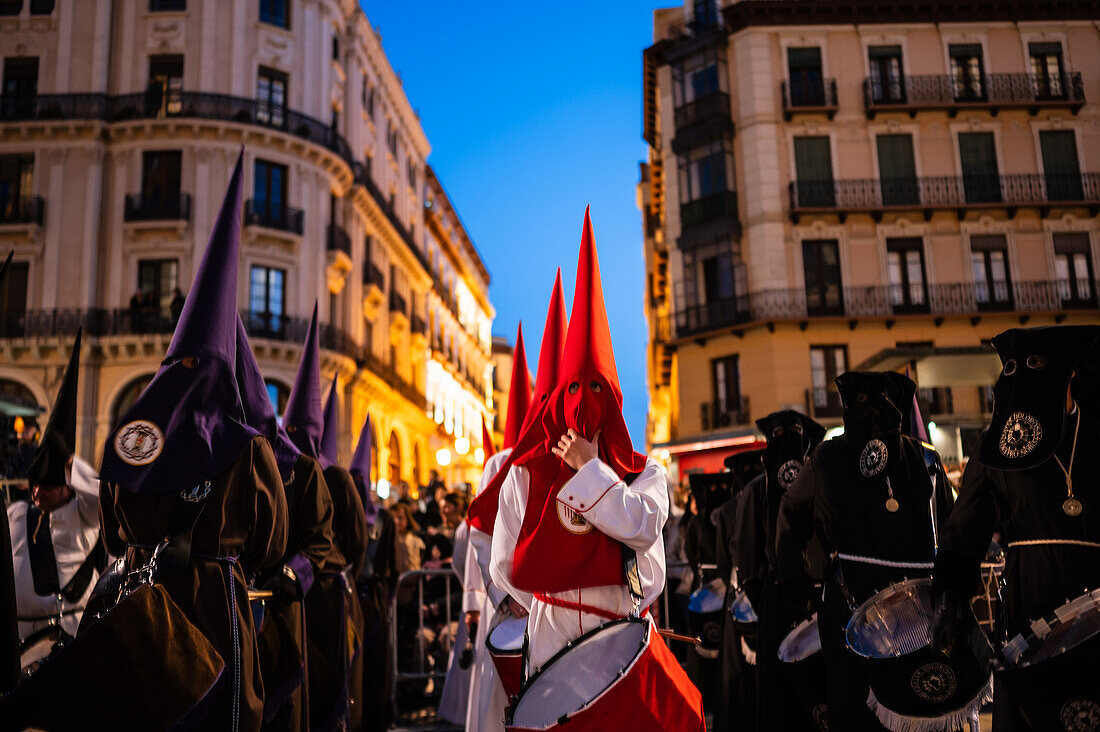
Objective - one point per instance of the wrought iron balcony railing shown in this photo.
(724, 413)
(992, 91)
(818, 95)
(958, 193)
(709, 106)
(824, 402)
(721, 205)
(22, 210)
(336, 239)
(157, 208)
(283, 218)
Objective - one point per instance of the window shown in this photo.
(726, 383)
(936, 400)
(967, 76)
(335, 48)
(160, 177)
(978, 154)
(887, 82)
(704, 172)
(814, 172)
(271, 97)
(11, 7)
(1047, 72)
(1073, 269)
(897, 170)
(16, 185)
(391, 138)
(411, 169)
(42, 7)
(698, 76)
(164, 6)
(13, 291)
(269, 193)
(162, 96)
(821, 264)
(1061, 171)
(267, 299)
(989, 265)
(275, 12)
(278, 393)
(20, 87)
(157, 282)
(807, 84)
(718, 277)
(905, 263)
(826, 363)
(335, 119)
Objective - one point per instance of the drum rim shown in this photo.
(812, 620)
(748, 602)
(1001, 662)
(860, 612)
(506, 651)
(511, 711)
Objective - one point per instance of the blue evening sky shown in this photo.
(534, 110)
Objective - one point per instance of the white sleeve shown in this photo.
(481, 546)
(634, 514)
(473, 588)
(513, 501)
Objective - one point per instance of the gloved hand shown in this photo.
(947, 616)
(284, 584)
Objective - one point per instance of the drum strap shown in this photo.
(630, 562)
(885, 562)
(581, 607)
(1054, 542)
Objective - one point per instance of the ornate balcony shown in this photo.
(157, 208)
(706, 213)
(282, 218)
(817, 97)
(992, 92)
(722, 414)
(22, 210)
(953, 193)
(701, 120)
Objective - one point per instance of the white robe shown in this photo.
(456, 688)
(487, 701)
(634, 515)
(74, 529)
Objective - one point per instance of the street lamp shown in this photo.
(462, 445)
(443, 457)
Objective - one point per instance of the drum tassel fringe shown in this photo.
(953, 720)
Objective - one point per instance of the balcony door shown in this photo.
(1061, 170)
(1048, 77)
(897, 170)
(967, 73)
(269, 182)
(887, 82)
(905, 264)
(271, 97)
(267, 299)
(826, 363)
(813, 164)
(807, 79)
(981, 180)
(726, 381)
(162, 96)
(989, 267)
(16, 185)
(1073, 270)
(160, 181)
(821, 262)
(20, 87)
(157, 282)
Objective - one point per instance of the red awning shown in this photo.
(713, 460)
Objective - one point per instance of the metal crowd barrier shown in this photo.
(419, 576)
(6, 485)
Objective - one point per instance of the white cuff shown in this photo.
(591, 483)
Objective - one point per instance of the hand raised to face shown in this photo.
(574, 450)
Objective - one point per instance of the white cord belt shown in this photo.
(885, 562)
(1054, 542)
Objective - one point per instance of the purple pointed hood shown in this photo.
(360, 470)
(302, 418)
(330, 437)
(259, 413)
(188, 425)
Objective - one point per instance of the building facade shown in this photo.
(120, 121)
(852, 185)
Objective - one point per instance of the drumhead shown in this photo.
(895, 622)
(705, 600)
(507, 636)
(742, 610)
(801, 643)
(1072, 624)
(580, 673)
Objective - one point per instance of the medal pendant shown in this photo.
(1072, 507)
(892, 505)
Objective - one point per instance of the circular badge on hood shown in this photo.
(872, 461)
(1080, 715)
(1021, 434)
(139, 442)
(787, 472)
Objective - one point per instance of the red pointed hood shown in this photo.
(519, 393)
(486, 439)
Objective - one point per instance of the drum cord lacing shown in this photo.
(581, 607)
(885, 562)
(1054, 542)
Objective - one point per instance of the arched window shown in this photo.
(395, 458)
(128, 396)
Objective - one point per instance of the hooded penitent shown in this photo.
(791, 437)
(59, 439)
(875, 409)
(360, 468)
(556, 550)
(519, 392)
(483, 510)
(259, 412)
(330, 437)
(1029, 399)
(188, 426)
(302, 418)
(487, 439)
(745, 465)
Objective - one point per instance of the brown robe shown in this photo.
(283, 644)
(245, 516)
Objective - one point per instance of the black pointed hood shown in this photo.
(59, 438)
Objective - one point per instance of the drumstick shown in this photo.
(669, 635)
(260, 595)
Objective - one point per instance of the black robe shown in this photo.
(1027, 505)
(847, 513)
(700, 543)
(375, 594)
(735, 708)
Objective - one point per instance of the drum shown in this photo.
(619, 676)
(505, 646)
(804, 668)
(913, 687)
(705, 620)
(987, 603)
(744, 619)
(1050, 672)
(39, 645)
